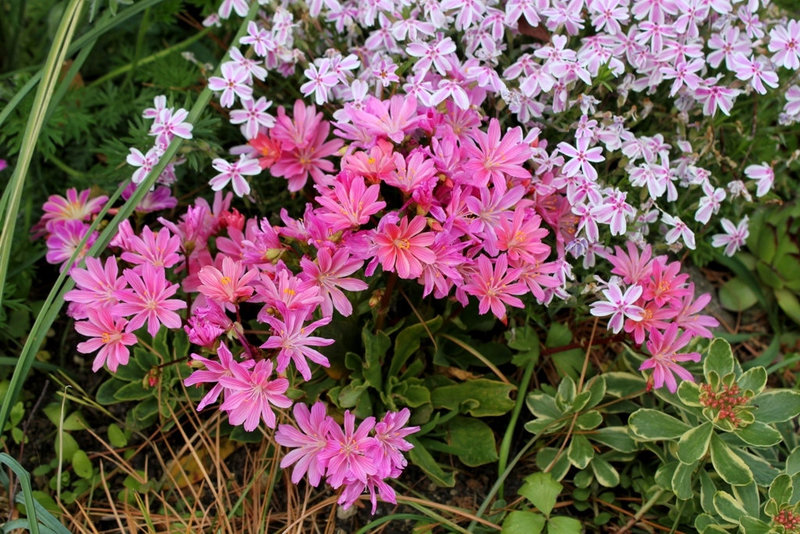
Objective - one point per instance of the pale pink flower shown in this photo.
(679, 230)
(764, 175)
(347, 452)
(233, 83)
(734, 238)
(235, 173)
(308, 442)
(785, 42)
(251, 395)
(618, 305)
(293, 339)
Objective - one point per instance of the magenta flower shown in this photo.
(618, 306)
(159, 250)
(64, 240)
(330, 272)
(235, 173)
(665, 357)
(493, 158)
(229, 286)
(666, 284)
(149, 301)
(97, 285)
(521, 238)
(689, 317)
(214, 370)
(350, 203)
(308, 441)
(108, 335)
(403, 248)
(392, 117)
(308, 159)
(251, 395)
(233, 83)
(347, 452)
(633, 267)
(496, 286)
(390, 443)
(293, 339)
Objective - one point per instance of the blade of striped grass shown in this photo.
(55, 299)
(107, 24)
(41, 102)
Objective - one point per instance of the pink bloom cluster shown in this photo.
(352, 458)
(650, 299)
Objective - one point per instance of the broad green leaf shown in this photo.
(753, 525)
(728, 465)
(694, 443)
(654, 425)
(81, 464)
(75, 421)
(789, 303)
(763, 472)
(589, 420)
(728, 507)
(682, 480)
(621, 384)
(597, 389)
(604, 472)
(753, 379)
(781, 489)
(689, 393)
(105, 393)
(615, 437)
(776, 406)
(707, 491)
(526, 342)
(479, 398)
(793, 462)
(580, 451)
(758, 434)
(664, 474)
(542, 490)
(736, 295)
(408, 341)
(132, 391)
(542, 405)
(719, 358)
(413, 395)
(116, 436)
(558, 463)
(420, 457)
(564, 525)
(472, 441)
(520, 522)
(69, 448)
(239, 434)
(375, 347)
(748, 496)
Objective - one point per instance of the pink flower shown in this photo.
(632, 267)
(521, 238)
(392, 117)
(347, 452)
(390, 443)
(764, 175)
(64, 240)
(234, 172)
(108, 335)
(350, 203)
(734, 237)
(307, 159)
(494, 158)
(233, 83)
(294, 342)
(666, 283)
(214, 370)
(618, 306)
(330, 272)
(689, 317)
(308, 441)
(785, 42)
(75, 207)
(496, 286)
(665, 357)
(149, 301)
(228, 286)
(159, 250)
(404, 248)
(251, 395)
(97, 285)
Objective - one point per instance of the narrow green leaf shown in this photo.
(420, 457)
(694, 443)
(682, 480)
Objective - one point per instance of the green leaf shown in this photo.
(525, 341)
(694, 443)
(604, 472)
(597, 389)
(105, 393)
(719, 358)
(781, 489)
(70, 445)
(550, 457)
(654, 425)
(753, 525)
(241, 435)
(789, 303)
(776, 406)
(748, 496)
(736, 295)
(589, 420)
(75, 421)
(408, 341)
(728, 507)
(793, 462)
(543, 405)
(420, 457)
(689, 393)
(472, 441)
(81, 464)
(707, 491)
(615, 437)
(682, 480)
(542, 490)
(116, 436)
(580, 451)
(753, 379)
(564, 525)
(413, 395)
(728, 465)
(759, 434)
(375, 347)
(479, 398)
(518, 522)
(132, 391)
(620, 384)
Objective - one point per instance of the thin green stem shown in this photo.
(643, 510)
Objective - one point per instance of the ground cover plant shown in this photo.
(400, 266)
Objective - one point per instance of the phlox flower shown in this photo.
(495, 286)
(321, 79)
(757, 71)
(65, 238)
(232, 83)
(331, 272)
(144, 162)
(734, 237)
(108, 335)
(253, 117)
(74, 207)
(234, 173)
(450, 88)
(258, 38)
(784, 41)
(307, 442)
(710, 203)
(229, 286)
(679, 230)
(581, 158)
(239, 6)
(494, 157)
(211, 373)
(171, 124)
(158, 249)
(347, 452)
(614, 211)
(665, 358)
(97, 285)
(403, 248)
(618, 305)
(293, 339)
(432, 54)
(763, 174)
(251, 394)
(148, 300)
(716, 97)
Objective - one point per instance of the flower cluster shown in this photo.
(655, 303)
(354, 459)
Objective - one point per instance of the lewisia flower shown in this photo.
(293, 339)
(64, 240)
(331, 272)
(251, 395)
(665, 358)
(148, 300)
(495, 286)
(403, 248)
(97, 285)
(74, 207)
(493, 158)
(229, 286)
(308, 442)
(109, 338)
(212, 373)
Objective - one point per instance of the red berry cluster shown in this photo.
(724, 401)
(788, 520)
